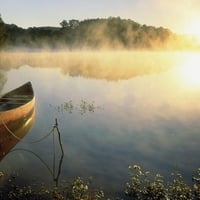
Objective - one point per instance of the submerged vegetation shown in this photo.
(142, 185)
(110, 33)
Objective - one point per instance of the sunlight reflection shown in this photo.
(190, 70)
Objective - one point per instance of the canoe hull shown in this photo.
(17, 129)
(10, 116)
(17, 113)
(17, 104)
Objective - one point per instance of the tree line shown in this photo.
(109, 33)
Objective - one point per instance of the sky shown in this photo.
(181, 16)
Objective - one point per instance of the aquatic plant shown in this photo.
(143, 185)
(68, 106)
(83, 107)
(86, 107)
(177, 189)
(196, 186)
(78, 189)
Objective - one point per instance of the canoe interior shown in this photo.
(17, 97)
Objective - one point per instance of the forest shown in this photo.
(99, 34)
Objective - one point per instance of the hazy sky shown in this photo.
(178, 15)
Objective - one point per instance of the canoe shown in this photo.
(17, 110)
(9, 137)
(16, 103)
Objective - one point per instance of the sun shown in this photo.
(190, 70)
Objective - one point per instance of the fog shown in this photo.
(148, 117)
(108, 65)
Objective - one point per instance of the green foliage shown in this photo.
(177, 189)
(110, 33)
(64, 24)
(143, 185)
(78, 189)
(196, 186)
(2, 32)
(1, 20)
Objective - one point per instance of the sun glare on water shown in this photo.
(190, 70)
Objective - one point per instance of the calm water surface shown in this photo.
(127, 109)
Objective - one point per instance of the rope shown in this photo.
(28, 142)
(29, 151)
(53, 173)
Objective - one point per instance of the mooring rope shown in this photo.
(29, 151)
(55, 174)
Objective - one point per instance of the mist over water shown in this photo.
(145, 114)
(101, 65)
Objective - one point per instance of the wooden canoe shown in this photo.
(17, 111)
(16, 104)
(11, 135)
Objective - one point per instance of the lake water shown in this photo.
(114, 109)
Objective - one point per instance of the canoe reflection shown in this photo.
(17, 112)
(12, 133)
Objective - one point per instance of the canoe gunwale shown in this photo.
(18, 111)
